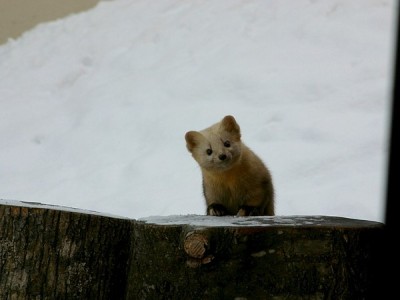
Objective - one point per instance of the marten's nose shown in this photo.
(222, 156)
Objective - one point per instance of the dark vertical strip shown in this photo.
(394, 152)
(385, 264)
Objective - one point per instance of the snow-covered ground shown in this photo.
(94, 107)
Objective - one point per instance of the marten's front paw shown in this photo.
(216, 210)
(246, 210)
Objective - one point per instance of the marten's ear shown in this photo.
(229, 125)
(192, 138)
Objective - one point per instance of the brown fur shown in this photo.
(235, 180)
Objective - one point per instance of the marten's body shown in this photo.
(235, 180)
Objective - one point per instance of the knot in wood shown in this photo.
(196, 245)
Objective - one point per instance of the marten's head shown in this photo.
(216, 148)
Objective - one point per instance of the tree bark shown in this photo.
(295, 257)
(56, 254)
(53, 254)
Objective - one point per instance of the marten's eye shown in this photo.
(209, 151)
(227, 144)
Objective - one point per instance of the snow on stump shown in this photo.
(58, 254)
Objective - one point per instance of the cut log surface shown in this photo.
(50, 253)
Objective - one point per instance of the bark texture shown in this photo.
(259, 258)
(53, 254)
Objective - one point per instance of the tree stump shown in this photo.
(293, 257)
(55, 254)
(60, 254)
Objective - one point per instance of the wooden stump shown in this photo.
(56, 254)
(294, 257)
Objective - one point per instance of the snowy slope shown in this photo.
(94, 107)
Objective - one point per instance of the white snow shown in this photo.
(94, 107)
(39, 205)
(233, 221)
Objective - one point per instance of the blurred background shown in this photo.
(17, 16)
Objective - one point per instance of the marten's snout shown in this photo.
(222, 157)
